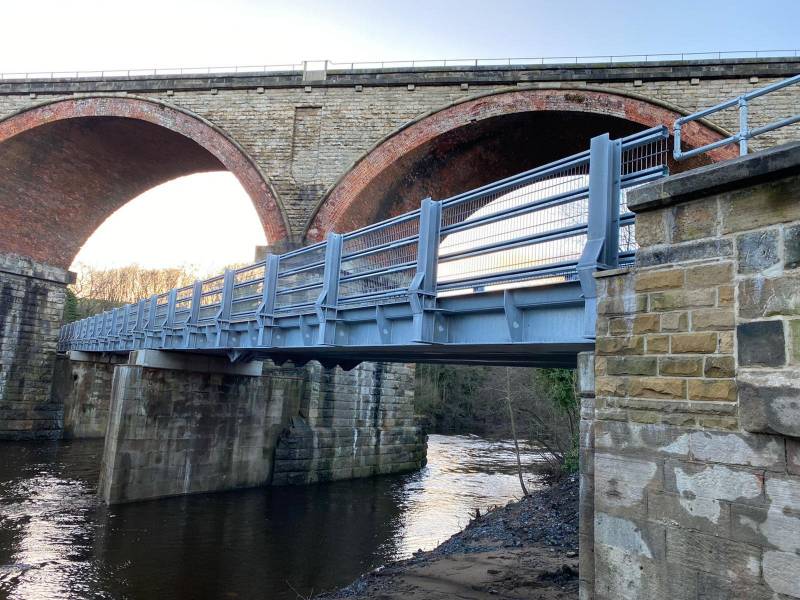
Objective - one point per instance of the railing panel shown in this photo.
(528, 229)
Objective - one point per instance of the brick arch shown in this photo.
(66, 165)
(338, 210)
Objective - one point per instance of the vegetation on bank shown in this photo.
(541, 405)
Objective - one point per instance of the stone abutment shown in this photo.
(691, 445)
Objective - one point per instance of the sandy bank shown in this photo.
(527, 549)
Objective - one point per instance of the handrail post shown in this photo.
(87, 323)
(138, 327)
(602, 234)
(422, 291)
(326, 305)
(108, 328)
(89, 333)
(150, 327)
(266, 311)
(167, 330)
(123, 332)
(676, 133)
(222, 319)
(194, 314)
(744, 129)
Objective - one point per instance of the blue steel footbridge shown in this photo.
(503, 274)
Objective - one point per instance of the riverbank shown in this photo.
(527, 549)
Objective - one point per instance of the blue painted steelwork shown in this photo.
(745, 133)
(498, 275)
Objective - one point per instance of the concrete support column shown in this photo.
(586, 391)
(32, 297)
(182, 424)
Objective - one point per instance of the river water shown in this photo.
(58, 541)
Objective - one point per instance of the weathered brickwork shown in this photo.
(305, 139)
(31, 305)
(695, 427)
(171, 431)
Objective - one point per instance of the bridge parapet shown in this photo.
(474, 269)
(779, 63)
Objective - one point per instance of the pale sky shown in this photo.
(205, 221)
(46, 35)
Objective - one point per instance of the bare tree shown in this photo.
(97, 290)
(512, 422)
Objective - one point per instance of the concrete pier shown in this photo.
(176, 427)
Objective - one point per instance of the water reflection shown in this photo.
(58, 541)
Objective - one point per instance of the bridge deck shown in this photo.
(498, 275)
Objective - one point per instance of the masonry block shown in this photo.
(708, 482)
(761, 343)
(769, 401)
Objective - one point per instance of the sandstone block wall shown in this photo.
(173, 432)
(31, 305)
(83, 388)
(695, 428)
(352, 424)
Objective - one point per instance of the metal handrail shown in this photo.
(381, 271)
(745, 133)
(303, 66)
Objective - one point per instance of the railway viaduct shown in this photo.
(690, 462)
(317, 151)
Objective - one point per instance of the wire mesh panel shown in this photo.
(551, 180)
(133, 314)
(211, 297)
(248, 289)
(644, 158)
(641, 157)
(183, 304)
(300, 277)
(627, 238)
(379, 260)
(394, 230)
(161, 309)
(297, 259)
(524, 226)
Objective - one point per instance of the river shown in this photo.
(57, 540)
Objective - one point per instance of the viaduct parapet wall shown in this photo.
(691, 446)
(304, 136)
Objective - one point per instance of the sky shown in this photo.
(48, 35)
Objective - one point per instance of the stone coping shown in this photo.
(774, 163)
(779, 67)
(26, 267)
